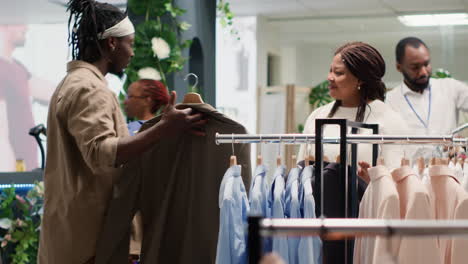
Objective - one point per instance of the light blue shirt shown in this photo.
(310, 248)
(293, 210)
(234, 205)
(259, 199)
(134, 126)
(259, 193)
(276, 202)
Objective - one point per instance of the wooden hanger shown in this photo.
(404, 162)
(232, 161)
(421, 164)
(192, 98)
(308, 159)
(259, 160)
(293, 161)
(278, 158)
(438, 161)
(444, 161)
(278, 161)
(381, 161)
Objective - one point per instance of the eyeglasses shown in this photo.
(134, 96)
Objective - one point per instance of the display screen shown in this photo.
(33, 60)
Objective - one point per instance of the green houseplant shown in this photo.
(441, 73)
(158, 47)
(20, 218)
(318, 96)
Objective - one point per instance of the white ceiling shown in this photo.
(320, 21)
(292, 8)
(295, 20)
(50, 11)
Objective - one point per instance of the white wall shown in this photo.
(268, 41)
(288, 64)
(313, 59)
(306, 63)
(241, 67)
(236, 75)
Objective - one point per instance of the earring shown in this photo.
(112, 49)
(359, 87)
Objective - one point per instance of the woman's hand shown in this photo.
(363, 171)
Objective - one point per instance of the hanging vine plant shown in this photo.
(158, 47)
(226, 17)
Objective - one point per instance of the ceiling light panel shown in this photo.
(429, 20)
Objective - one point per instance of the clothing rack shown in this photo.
(352, 138)
(343, 140)
(259, 227)
(350, 180)
(349, 186)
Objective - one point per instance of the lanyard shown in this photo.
(425, 124)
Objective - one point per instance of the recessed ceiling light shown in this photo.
(434, 20)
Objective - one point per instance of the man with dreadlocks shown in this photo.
(87, 136)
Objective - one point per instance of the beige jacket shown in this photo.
(449, 199)
(415, 203)
(83, 128)
(175, 186)
(459, 253)
(379, 201)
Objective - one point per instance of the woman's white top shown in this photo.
(377, 112)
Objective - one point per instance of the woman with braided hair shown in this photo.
(88, 139)
(355, 82)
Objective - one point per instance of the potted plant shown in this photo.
(20, 218)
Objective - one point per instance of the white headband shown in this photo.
(121, 29)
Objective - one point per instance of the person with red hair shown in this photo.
(144, 98)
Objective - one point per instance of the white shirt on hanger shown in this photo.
(435, 111)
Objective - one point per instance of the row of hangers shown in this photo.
(380, 161)
(453, 151)
(279, 162)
